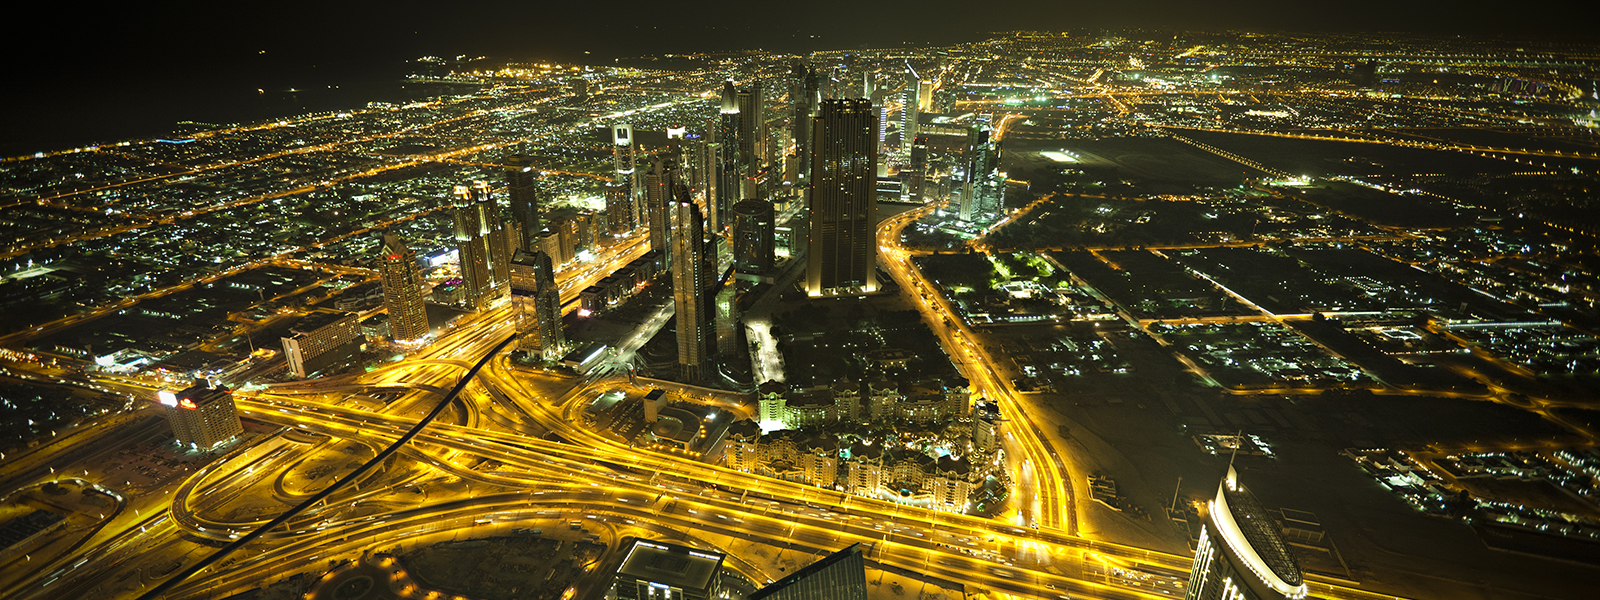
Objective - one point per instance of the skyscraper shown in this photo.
(521, 182)
(839, 576)
(752, 131)
(619, 210)
(483, 244)
(402, 290)
(804, 108)
(908, 110)
(538, 305)
(753, 237)
(201, 416)
(842, 253)
(691, 280)
(625, 163)
(915, 175)
(1242, 554)
(982, 188)
(659, 189)
(729, 176)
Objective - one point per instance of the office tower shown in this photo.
(839, 576)
(1242, 554)
(880, 110)
(619, 211)
(982, 189)
(841, 253)
(622, 158)
(752, 131)
(550, 245)
(482, 244)
(402, 290)
(753, 248)
(664, 571)
(804, 108)
(521, 182)
(908, 110)
(691, 283)
(201, 416)
(537, 301)
(916, 174)
(729, 170)
(660, 186)
(321, 339)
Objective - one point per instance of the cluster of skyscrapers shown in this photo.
(711, 204)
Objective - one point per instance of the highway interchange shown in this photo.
(510, 450)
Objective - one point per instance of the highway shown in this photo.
(478, 462)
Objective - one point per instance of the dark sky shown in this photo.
(87, 69)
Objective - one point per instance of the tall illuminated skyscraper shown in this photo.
(842, 254)
(660, 187)
(402, 290)
(619, 209)
(729, 175)
(908, 110)
(983, 189)
(625, 165)
(538, 305)
(804, 107)
(692, 267)
(484, 246)
(1242, 554)
(752, 131)
(521, 186)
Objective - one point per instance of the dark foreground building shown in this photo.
(840, 576)
(1242, 554)
(663, 571)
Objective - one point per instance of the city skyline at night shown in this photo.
(923, 305)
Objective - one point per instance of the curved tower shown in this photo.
(1242, 554)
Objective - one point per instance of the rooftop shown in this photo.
(670, 564)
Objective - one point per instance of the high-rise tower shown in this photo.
(659, 189)
(753, 141)
(915, 176)
(521, 186)
(729, 174)
(624, 163)
(804, 108)
(402, 290)
(753, 226)
(691, 282)
(842, 253)
(1242, 554)
(483, 244)
(982, 191)
(908, 110)
(619, 209)
(538, 305)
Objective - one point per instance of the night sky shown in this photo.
(82, 71)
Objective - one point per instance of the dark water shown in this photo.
(100, 109)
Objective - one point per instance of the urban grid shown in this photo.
(1120, 314)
